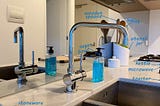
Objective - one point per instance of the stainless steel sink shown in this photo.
(126, 93)
(7, 72)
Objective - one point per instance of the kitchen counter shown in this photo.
(53, 94)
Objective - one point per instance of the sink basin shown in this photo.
(7, 73)
(126, 93)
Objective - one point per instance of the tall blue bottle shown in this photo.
(98, 67)
(50, 62)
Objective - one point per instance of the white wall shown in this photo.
(139, 29)
(34, 31)
(60, 18)
(154, 32)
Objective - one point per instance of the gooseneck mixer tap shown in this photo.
(22, 70)
(71, 77)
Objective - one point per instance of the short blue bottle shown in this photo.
(50, 62)
(98, 68)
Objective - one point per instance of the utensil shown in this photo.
(105, 31)
(120, 40)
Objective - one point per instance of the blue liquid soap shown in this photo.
(50, 62)
(50, 65)
(97, 73)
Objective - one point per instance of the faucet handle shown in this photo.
(33, 58)
(81, 59)
(26, 70)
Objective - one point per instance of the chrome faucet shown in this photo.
(21, 45)
(71, 77)
(21, 70)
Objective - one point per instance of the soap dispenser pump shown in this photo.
(50, 50)
(50, 62)
(98, 67)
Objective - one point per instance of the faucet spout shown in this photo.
(94, 25)
(21, 44)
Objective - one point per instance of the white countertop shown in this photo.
(52, 94)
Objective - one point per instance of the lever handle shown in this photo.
(81, 59)
(32, 57)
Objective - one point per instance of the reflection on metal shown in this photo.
(124, 93)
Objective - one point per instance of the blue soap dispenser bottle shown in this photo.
(50, 62)
(98, 67)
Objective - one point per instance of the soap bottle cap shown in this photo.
(113, 57)
(98, 53)
(50, 50)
